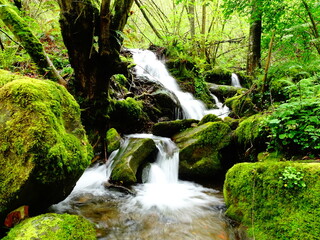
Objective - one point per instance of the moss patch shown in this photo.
(258, 196)
(113, 139)
(200, 149)
(130, 158)
(42, 141)
(53, 227)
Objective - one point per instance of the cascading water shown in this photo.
(235, 80)
(149, 66)
(163, 207)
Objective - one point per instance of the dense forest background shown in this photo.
(273, 45)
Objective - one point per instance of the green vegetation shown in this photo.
(52, 226)
(275, 200)
(42, 138)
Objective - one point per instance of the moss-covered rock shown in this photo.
(241, 106)
(113, 140)
(53, 226)
(169, 128)
(265, 198)
(127, 115)
(129, 161)
(43, 145)
(210, 118)
(200, 150)
(224, 91)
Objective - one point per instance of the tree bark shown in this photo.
(92, 35)
(191, 16)
(254, 48)
(29, 42)
(314, 27)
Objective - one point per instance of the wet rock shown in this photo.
(130, 160)
(224, 91)
(52, 226)
(200, 148)
(169, 128)
(43, 146)
(113, 140)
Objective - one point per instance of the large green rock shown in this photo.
(43, 146)
(53, 226)
(131, 159)
(200, 156)
(275, 200)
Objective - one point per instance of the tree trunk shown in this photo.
(29, 42)
(92, 36)
(314, 27)
(254, 48)
(191, 16)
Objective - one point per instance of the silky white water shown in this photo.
(162, 207)
(149, 66)
(235, 81)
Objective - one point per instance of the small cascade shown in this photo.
(150, 67)
(222, 111)
(235, 80)
(163, 190)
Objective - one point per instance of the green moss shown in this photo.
(209, 118)
(257, 196)
(41, 136)
(128, 109)
(129, 159)
(241, 105)
(169, 128)
(52, 226)
(113, 140)
(200, 149)
(249, 129)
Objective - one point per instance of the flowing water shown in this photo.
(235, 80)
(162, 207)
(153, 69)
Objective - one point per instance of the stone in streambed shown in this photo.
(129, 161)
(53, 226)
(200, 156)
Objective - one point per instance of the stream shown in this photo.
(162, 207)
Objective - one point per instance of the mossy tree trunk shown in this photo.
(254, 48)
(92, 34)
(20, 29)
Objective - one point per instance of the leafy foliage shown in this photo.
(295, 125)
(292, 178)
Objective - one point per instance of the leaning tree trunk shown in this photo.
(254, 48)
(91, 34)
(30, 43)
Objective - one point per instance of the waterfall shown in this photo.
(163, 190)
(222, 110)
(150, 67)
(235, 80)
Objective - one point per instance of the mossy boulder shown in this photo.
(241, 106)
(251, 137)
(43, 145)
(200, 147)
(130, 160)
(127, 115)
(223, 91)
(53, 226)
(113, 140)
(210, 118)
(275, 200)
(161, 104)
(169, 128)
